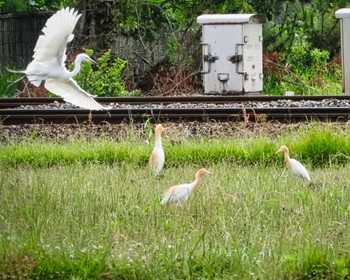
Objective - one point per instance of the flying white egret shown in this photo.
(293, 165)
(157, 158)
(49, 61)
(180, 193)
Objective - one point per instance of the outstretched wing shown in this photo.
(73, 93)
(58, 31)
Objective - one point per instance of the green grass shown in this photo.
(105, 221)
(314, 144)
(91, 209)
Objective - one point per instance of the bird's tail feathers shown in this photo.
(164, 201)
(15, 71)
(35, 80)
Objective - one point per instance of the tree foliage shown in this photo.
(149, 20)
(288, 21)
(13, 6)
(295, 29)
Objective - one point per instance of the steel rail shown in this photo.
(25, 116)
(216, 99)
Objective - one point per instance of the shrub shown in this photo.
(8, 83)
(105, 78)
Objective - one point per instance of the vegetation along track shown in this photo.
(186, 108)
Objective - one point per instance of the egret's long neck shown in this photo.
(286, 156)
(195, 184)
(158, 143)
(77, 65)
(76, 68)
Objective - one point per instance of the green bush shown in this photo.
(7, 83)
(305, 72)
(104, 78)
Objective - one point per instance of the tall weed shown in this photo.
(88, 221)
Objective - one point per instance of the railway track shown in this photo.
(15, 111)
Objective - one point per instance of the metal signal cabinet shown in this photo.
(344, 16)
(232, 53)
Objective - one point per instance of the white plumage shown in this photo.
(49, 61)
(157, 158)
(293, 165)
(180, 193)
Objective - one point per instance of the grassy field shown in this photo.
(93, 218)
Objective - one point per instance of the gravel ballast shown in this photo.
(282, 103)
(177, 131)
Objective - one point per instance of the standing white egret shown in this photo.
(180, 193)
(49, 61)
(157, 158)
(293, 165)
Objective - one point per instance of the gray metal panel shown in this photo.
(219, 41)
(231, 18)
(252, 58)
(343, 13)
(232, 54)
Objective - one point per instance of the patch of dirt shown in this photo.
(175, 132)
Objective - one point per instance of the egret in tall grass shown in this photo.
(157, 158)
(293, 165)
(49, 58)
(180, 193)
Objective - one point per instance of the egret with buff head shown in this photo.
(293, 165)
(179, 194)
(49, 59)
(157, 158)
